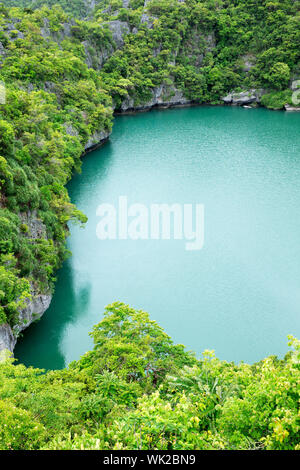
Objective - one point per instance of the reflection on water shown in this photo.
(43, 347)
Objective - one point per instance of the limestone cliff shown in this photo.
(162, 96)
(7, 338)
(39, 302)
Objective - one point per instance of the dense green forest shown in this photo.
(137, 390)
(67, 67)
(76, 8)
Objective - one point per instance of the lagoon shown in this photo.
(240, 293)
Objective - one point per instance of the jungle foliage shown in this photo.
(137, 390)
(54, 104)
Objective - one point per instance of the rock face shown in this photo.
(97, 139)
(2, 52)
(36, 228)
(7, 339)
(119, 29)
(248, 62)
(12, 30)
(243, 97)
(147, 21)
(162, 96)
(39, 302)
(197, 45)
(35, 308)
(90, 5)
(95, 57)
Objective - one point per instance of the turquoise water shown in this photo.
(240, 294)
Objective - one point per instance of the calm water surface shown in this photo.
(240, 294)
